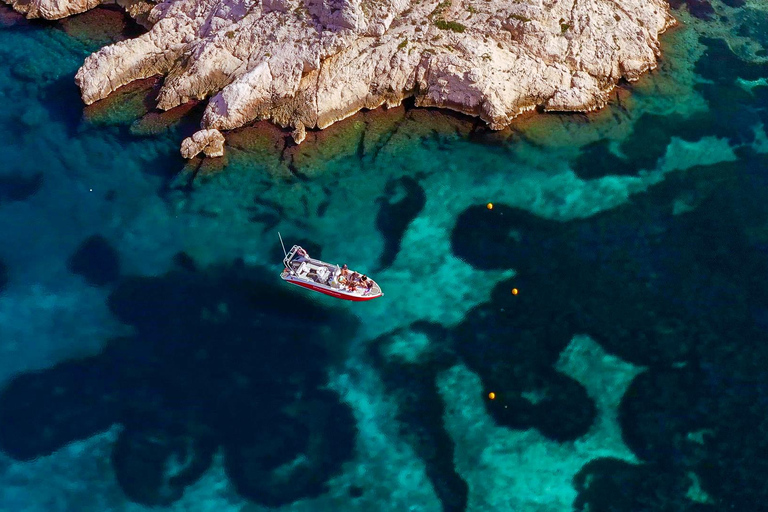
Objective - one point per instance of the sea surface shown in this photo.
(575, 313)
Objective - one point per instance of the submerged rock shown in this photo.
(19, 187)
(309, 63)
(3, 275)
(96, 260)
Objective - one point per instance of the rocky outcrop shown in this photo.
(309, 63)
(52, 9)
(208, 142)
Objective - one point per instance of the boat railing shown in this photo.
(289, 256)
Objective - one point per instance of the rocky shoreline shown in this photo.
(305, 64)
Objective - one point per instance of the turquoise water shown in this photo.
(151, 357)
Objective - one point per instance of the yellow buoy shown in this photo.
(491, 395)
(514, 291)
(489, 206)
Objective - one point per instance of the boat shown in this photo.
(329, 279)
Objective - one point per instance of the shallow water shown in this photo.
(151, 357)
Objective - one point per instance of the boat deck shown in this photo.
(326, 278)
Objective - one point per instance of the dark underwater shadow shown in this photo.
(402, 201)
(3, 275)
(61, 98)
(19, 186)
(734, 113)
(676, 280)
(421, 410)
(221, 358)
(96, 261)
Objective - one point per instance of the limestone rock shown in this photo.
(52, 9)
(299, 133)
(311, 63)
(209, 142)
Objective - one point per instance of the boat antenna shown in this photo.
(281, 243)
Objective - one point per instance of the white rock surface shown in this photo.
(314, 62)
(209, 142)
(52, 9)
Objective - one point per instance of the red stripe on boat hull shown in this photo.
(331, 293)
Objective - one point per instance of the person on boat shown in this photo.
(301, 254)
(344, 271)
(355, 281)
(368, 283)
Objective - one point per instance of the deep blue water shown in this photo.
(151, 357)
